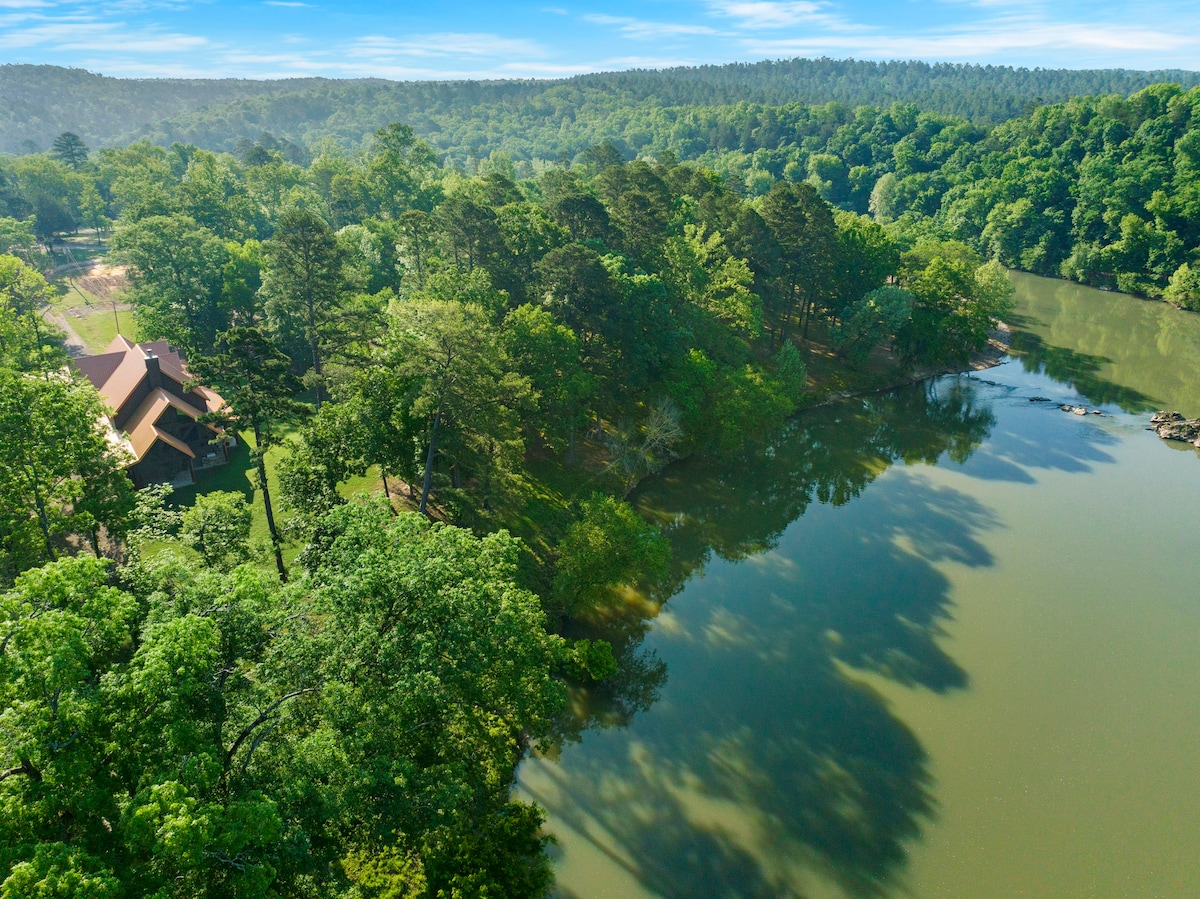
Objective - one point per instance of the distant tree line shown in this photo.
(519, 117)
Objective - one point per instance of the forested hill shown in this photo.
(521, 117)
(38, 103)
(983, 94)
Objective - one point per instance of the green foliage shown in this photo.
(354, 734)
(255, 379)
(1184, 289)
(462, 386)
(749, 404)
(645, 110)
(608, 545)
(385, 874)
(591, 660)
(59, 475)
(956, 302)
(548, 354)
(803, 226)
(791, 371)
(705, 273)
(16, 237)
(27, 342)
(177, 268)
(503, 855)
(57, 871)
(213, 736)
(872, 319)
(307, 293)
(437, 665)
(217, 526)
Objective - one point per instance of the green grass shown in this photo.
(98, 329)
(71, 295)
(91, 316)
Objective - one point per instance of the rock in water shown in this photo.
(1173, 426)
(1159, 418)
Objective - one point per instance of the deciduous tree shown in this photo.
(255, 379)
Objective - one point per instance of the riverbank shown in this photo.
(537, 504)
(997, 350)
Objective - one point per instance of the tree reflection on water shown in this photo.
(769, 761)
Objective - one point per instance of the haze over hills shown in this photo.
(526, 118)
(37, 103)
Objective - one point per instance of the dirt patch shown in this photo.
(104, 281)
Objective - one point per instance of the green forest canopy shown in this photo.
(37, 103)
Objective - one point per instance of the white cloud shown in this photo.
(446, 44)
(125, 7)
(83, 36)
(55, 33)
(125, 36)
(148, 44)
(766, 15)
(998, 39)
(642, 29)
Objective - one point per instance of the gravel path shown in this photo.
(73, 342)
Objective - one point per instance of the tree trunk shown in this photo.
(39, 503)
(788, 312)
(316, 362)
(429, 458)
(260, 460)
(487, 475)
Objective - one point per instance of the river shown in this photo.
(939, 642)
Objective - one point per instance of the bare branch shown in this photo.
(263, 717)
(26, 768)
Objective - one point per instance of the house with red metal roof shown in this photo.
(155, 412)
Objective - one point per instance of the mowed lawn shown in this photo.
(97, 329)
(91, 316)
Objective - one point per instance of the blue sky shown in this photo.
(403, 40)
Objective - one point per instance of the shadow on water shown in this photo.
(770, 760)
(1080, 370)
(739, 507)
(1047, 439)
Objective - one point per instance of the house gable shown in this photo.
(145, 386)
